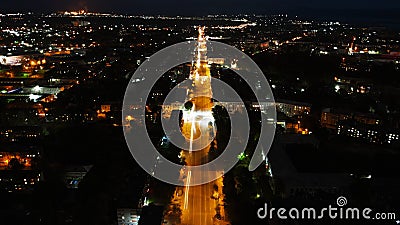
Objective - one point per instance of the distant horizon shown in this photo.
(203, 7)
(370, 17)
(296, 12)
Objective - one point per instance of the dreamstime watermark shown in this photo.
(330, 212)
(139, 89)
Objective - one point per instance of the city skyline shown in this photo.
(208, 7)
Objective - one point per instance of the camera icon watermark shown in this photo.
(196, 53)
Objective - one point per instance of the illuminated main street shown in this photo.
(201, 204)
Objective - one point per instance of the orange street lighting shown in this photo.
(129, 118)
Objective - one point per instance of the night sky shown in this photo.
(203, 7)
